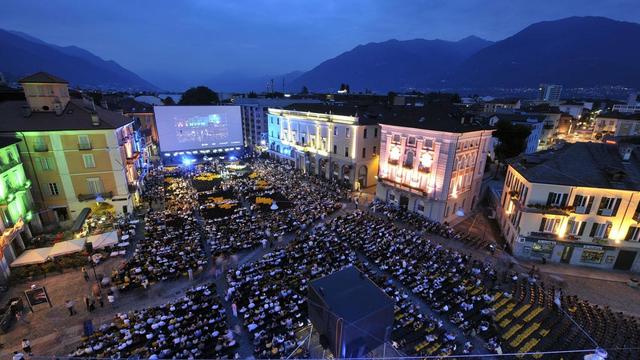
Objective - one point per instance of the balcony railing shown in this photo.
(548, 209)
(86, 197)
(84, 146)
(605, 212)
(40, 148)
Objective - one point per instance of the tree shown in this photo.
(344, 87)
(168, 101)
(512, 139)
(252, 95)
(304, 91)
(200, 95)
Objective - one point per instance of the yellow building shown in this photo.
(578, 205)
(75, 153)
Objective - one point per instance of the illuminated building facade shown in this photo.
(336, 142)
(577, 205)
(431, 161)
(17, 213)
(74, 152)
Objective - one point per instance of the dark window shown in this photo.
(365, 133)
(346, 152)
(335, 149)
(375, 132)
(364, 152)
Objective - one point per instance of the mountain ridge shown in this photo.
(22, 54)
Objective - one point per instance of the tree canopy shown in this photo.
(168, 101)
(512, 139)
(200, 95)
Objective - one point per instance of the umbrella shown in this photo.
(68, 247)
(30, 257)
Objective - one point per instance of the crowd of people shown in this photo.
(193, 326)
(173, 241)
(468, 301)
(300, 201)
(270, 294)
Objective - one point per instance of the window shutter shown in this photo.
(577, 200)
(629, 233)
(589, 204)
(542, 224)
(550, 198)
(582, 226)
(616, 206)
(594, 228)
(563, 203)
(607, 230)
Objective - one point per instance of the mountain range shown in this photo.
(574, 52)
(22, 54)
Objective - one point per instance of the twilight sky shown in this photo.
(190, 39)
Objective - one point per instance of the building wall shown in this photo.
(46, 96)
(444, 176)
(60, 185)
(524, 205)
(326, 145)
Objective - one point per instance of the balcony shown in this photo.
(7, 166)
(548, 209)
(605, 212)
(543, 235)
(40, 148)
(84, 146)
(86, 197)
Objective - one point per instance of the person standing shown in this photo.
(69, 305)
(85, 274)
(26, 346)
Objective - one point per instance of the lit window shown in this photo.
(89, 161)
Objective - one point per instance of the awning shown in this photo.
(68, 247)
(103, 240)
(30, 257)
(79, 221)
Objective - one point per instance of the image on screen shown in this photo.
(183, 128)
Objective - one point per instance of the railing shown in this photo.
(40, 148)
(6, 166)
(548, 209)
(85, 146)
(605, 212)
(104, 195)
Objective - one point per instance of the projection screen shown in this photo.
(183, 128)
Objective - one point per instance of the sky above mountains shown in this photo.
(198, 38)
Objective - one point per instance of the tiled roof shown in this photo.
(76, 116)
(584, 164)
(42, 77)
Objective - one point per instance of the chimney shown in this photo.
(26, 111)
(95, 119)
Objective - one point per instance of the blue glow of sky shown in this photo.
(194, 38)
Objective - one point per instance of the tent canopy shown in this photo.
(30, 257)
(68, 247)
(103, 240)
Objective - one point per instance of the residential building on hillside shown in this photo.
(549, 93)
(501, 105)
(432, 160)
(617, 124)
(333, 141)
(632, 105)
(578, 204)
(75, 153)
(18, 216)
(575, 108)
(254, 117)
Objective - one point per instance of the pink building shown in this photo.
(432, 161)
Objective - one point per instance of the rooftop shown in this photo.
(585, 164)
(435, 116)
(42, 77)
(6, 141)
(76, 116)
(620, 115)
(350, 294)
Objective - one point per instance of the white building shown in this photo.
(617, 124)
(431, 161)
(549, 93)
(254, 117)
(333, 141)
(576, 205)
